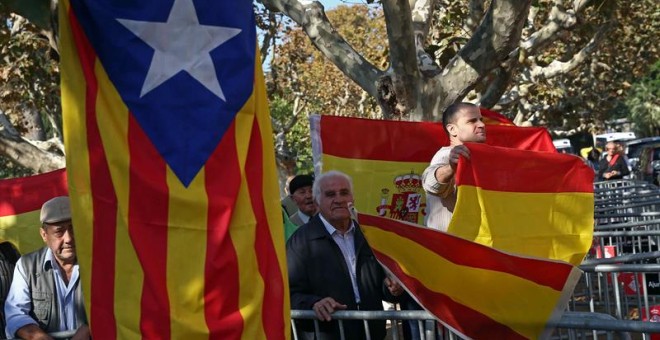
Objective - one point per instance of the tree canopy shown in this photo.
(565, 64)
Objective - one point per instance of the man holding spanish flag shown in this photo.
(463, 123)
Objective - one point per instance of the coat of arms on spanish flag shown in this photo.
(171, 170)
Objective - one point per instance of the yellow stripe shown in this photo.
(22, 230)
(549, 225)
(371, 177)
(518, 303)
(77, 157)
(271, 190)
(242, 230)
(186, 246)
(112, 115)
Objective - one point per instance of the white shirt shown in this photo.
(346, 243)
(304, 217)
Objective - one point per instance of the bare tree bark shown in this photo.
(491, 45)
(421, 11)
(269, 37)
(31, 121)
(403, 59)
(26, 154)
(476, 11)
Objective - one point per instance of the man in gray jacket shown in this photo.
(45, 294)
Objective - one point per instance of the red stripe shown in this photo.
(104, 200)
(26, 194)
(456, 315)
(148, 227)
(269, 266)
(510, 170)
(412, 141)
(453, 249)
(221, 282)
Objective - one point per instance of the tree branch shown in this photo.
(24, 153)
(403, 58)
(497, 87)
(421, 11)
(558, 67)
(269, 37)
(310, 15)
(476, 12)
(558, 19)
(490, 46)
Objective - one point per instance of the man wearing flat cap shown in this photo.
(300, 189)
(45, 294)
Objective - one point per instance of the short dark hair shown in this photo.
(449, 116)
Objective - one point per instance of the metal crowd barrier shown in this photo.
(572, 325)
(622, 273)
(620, 285)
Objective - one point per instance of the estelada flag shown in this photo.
(386, 159)
(171, 170)
(20, 205)
(475, 290)
(524, 202)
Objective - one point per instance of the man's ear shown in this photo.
(451, 129)
(42, 232)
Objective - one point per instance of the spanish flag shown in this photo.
(171, 170)
(494, 118)
(20, 204)
(524, 202)
(475, 290)
(386, 159)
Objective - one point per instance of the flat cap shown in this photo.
(56, 210)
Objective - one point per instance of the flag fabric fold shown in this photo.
(20, 205)
(171, 170)
(476, 291)
(524, 202)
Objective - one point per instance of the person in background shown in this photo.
(613, 165)
(45, 294)
(288, 205)
(300, 189)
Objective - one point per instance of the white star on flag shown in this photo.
(181, 44)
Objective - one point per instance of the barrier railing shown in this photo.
(592, 324)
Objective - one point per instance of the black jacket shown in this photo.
(619, 165)
(317, 270)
